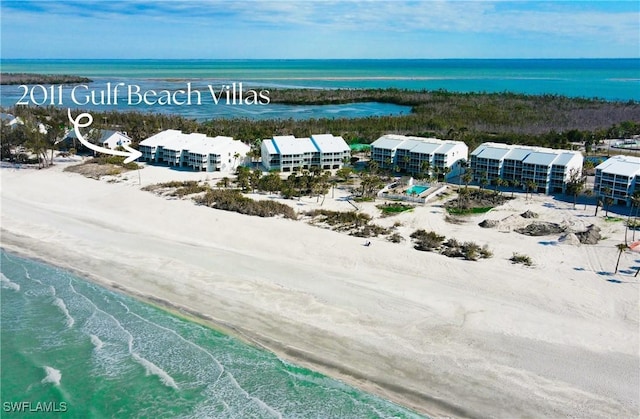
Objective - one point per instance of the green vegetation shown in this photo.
(575, 184)
(355, 223)
(223, 199)
(117, 161)
(29, 78)
(177, 188)
(622, 247)
(394, 208)
(97, 167)
(523, 259)
(633, 224)
(341, 220)
(429, 241)
(475, 201)
(426, 240)
(468, 211)
(613, 219)
(233, 200)
(548, 120)
(395, 238)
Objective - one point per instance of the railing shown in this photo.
(434, 190)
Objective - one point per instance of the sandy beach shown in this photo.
(443, 336)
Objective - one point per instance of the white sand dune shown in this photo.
(444, 336)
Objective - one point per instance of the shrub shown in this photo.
(340, 218)
(518, 258)
(395, 238)
(395, 208)
(189, 189)
(233, 200)
(485, 253)
(370, 230)
(426, 240)
(452, 243)
(180, 189)
(470, 251)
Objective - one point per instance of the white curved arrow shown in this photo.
(131, 154)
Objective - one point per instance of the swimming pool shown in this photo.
(416, 190)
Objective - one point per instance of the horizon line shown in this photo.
(322, 59)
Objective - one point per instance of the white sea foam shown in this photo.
(53, 376)
(28, 276)
(153, 369)
(7, 283)
(215, 360)
(257, 400)
(58, 302)
(97, 343)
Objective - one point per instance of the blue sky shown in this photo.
(291, 29)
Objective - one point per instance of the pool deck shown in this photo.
(394, 191)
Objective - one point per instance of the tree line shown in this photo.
(29, 78)
(547, 120)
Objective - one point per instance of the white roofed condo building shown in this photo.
(151, 148)
(217, 154)
(114, 139)
(197, 151)
(105, 138)
(419, 155)
(548, 168)
(619, 178)
(287, 153)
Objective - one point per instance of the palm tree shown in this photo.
(531, 187)
(514, 183)
(36, 141)
(425, 168)
(635, 202)
(242, 177)
(373, 166)
(621, 248)
(575, 184)
(224, 182)
(406, 159)
(483, 180)
(387, 163)
(498, 183)
(254, 179)
(445, 171)
(467, 178)
(599, 204)
(587, 193)
(461, 169)
(463, 195)
(606, 192)
(436, 173)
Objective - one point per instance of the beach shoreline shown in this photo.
(459, 342)
(410, 399)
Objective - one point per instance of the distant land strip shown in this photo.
(30, 78)
(415, 98)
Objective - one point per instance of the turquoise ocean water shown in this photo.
(610, 79)
(78, 348)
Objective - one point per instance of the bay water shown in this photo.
(607, 79)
